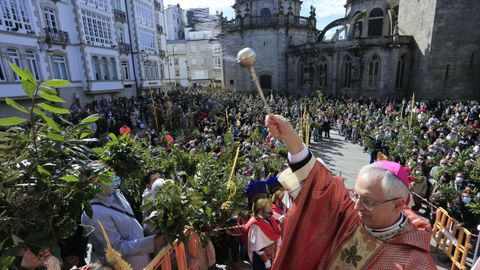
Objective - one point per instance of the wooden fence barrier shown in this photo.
(163, 260)
(452, 239)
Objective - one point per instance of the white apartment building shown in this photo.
(176, 21)
(194, 52)
(204, 56)
(177, 63)
(105, 48)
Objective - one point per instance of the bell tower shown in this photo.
(270, 27)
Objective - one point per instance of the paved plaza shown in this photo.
(345, 159)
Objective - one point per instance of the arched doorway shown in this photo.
(266, 81)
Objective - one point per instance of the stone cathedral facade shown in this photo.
(381, 48)
(271, 28)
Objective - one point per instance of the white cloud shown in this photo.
(326, 8)
(212, 4)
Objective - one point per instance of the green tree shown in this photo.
(42, 184)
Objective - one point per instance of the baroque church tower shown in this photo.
(270, 27)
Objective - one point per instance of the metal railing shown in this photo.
(272, 21)
(56, 36)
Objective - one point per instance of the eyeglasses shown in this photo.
(367, 204)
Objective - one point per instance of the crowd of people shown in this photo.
(437, 142)
(440, 148)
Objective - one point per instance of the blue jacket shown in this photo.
(123, 230)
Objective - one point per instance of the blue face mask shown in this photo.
(466, 200)
(270, 213)
(117, 181)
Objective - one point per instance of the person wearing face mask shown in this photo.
(461, 211)
(263, 230)
(126, 234)
(466, 199)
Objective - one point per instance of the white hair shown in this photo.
(392, 186)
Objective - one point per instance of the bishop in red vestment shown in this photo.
(330, 227)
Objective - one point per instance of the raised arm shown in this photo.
(279, 127)
(300, 160)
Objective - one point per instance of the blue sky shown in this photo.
(327, 10)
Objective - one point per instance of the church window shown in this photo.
(374, 72)
(347, 72)
(323, 72)
(358, 29)
(375, 23)
(265, 15)
(400, 72)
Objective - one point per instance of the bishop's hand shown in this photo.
(279, 127)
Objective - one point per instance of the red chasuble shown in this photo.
(322, 222)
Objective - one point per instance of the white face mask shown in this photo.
(459, 179)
